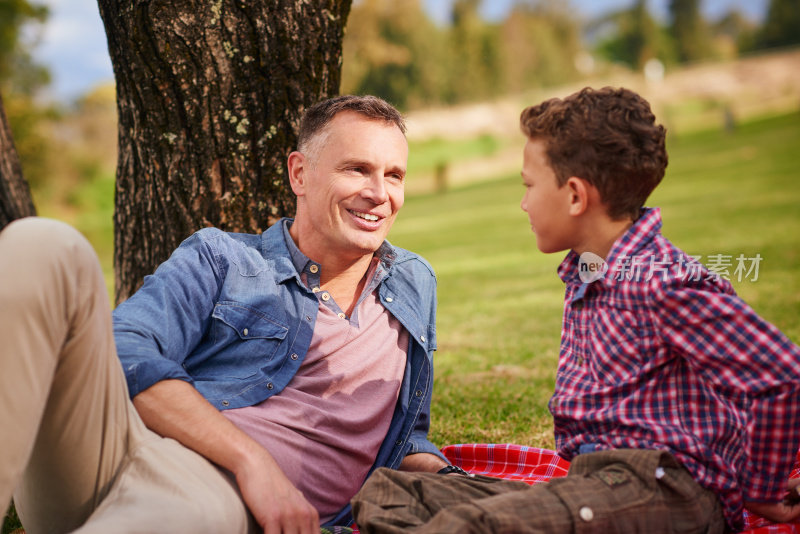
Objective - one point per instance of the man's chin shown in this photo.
(364, 247)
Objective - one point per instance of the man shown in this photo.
(296, 361)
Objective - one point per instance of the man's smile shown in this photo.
(366, 216)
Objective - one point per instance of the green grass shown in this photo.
(500, 299)
(426, 156)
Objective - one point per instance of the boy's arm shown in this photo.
(728, 344)
(782, 512)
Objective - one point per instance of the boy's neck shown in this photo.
(600, 233)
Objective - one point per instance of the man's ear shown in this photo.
(580, 193)
(296, 165)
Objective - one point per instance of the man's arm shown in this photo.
(174, 409)
(422, 461)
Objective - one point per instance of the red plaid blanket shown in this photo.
(534, 465)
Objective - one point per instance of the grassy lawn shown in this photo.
(500, 299)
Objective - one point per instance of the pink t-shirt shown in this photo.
(325, 428)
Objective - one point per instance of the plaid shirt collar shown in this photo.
(638, 236)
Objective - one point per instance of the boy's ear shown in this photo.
(296, 167)
(580, 194)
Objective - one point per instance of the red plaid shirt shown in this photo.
(661, 354)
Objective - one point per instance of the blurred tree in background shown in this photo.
(474, 69)
(635, 37)
(18, 72)
(690, 30)
(782, 26)
(734, 33)
(539, 42)
(20, 78)
(392, 49)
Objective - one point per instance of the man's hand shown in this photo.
(175, 409)
(276, 504)
(779, 512)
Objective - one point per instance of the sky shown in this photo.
(72, 44)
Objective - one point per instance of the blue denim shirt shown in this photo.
(228, 313)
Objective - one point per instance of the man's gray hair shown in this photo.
(318, 116)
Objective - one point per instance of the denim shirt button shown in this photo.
(294, 356)
(225, 403)
(398, 442)
(245, 332)
(418, 393)
(269, 385)
(389, 299)
(422, 338)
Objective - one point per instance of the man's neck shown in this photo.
(342, 277)
(345, 282)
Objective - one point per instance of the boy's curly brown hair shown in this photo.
(609, 138)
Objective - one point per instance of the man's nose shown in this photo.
(375, 189)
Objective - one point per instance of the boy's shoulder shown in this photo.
(658, 270)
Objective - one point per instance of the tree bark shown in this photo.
(209, 96)
(15, 196)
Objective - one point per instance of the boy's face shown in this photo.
(546, 204)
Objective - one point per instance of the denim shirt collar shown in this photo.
(291, 262)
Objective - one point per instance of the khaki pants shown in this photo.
(605, 493)
(74, 451)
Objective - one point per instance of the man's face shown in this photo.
(350, 190)
(546, 204)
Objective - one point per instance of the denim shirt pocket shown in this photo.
(245, 340)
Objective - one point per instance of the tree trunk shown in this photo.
(15, 196)
(209, 96)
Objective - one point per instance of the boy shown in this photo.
(676, 404)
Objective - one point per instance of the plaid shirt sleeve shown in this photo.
(729, 345)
